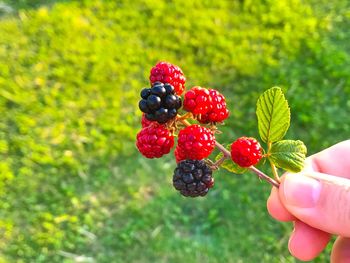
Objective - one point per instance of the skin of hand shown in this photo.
(317, 200)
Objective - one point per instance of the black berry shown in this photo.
(145, 93)
(193, 178)
(160, 102)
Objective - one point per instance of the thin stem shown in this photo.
(220, 161)
(222, 149)
(273, 167)
(264, 176)
(274, 172)
(184, 122)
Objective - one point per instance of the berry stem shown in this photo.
(274, 172)
(273, 167)
(222, 149)
(263, 176)
(182, 120)
(185, 116)
(227, 155)
(219, 162)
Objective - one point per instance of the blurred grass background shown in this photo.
(72, 186)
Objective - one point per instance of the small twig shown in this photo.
(219, 162)
(264, 176)
(222, 149)
(273, 167)
(274, 172)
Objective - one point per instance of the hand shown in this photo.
(318, 201)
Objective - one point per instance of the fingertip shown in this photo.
(341, 250)
(276, 208)
(307, 242)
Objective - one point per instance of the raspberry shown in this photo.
(193, 178)
(246, 151)
(160, 103)
(219, 112)
(154, 141)
(195, 142)
(168, 73)
(197, 100)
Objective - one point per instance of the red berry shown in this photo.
(154, 141)
(166, 72)
(219, 111)
(195, 142)
(198, 100)
(246, 151)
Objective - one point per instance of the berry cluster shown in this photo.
(161, 104)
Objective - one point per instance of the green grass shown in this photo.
(72, 185)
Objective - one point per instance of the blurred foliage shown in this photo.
(73, 188)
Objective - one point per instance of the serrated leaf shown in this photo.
(273, 115)
(288, 154)
(230, 166)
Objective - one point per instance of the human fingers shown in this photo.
(341, 250)
(319, 200)
(307, 242)
(334, 160)
(276, 209)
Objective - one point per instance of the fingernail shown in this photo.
(301, 191)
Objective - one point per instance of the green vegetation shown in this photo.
(72, 185)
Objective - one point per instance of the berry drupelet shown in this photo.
(160, 103)
(193, 178)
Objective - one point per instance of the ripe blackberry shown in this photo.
(197, 100)
(219, 111)
(246, 151)
(193, 178)
(154, 141)
(196, 142)
(166, 72)
(159, 103)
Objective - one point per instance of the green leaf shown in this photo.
(273, 115)
(288, 154)
(230, 166)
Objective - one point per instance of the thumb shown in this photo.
(319, 200)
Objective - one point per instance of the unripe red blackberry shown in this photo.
(166, 72)
(154, 141)
(193, 178)
(246, 151)
(197, 100)
(219, 111)
(160, 103)
(196, 142)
